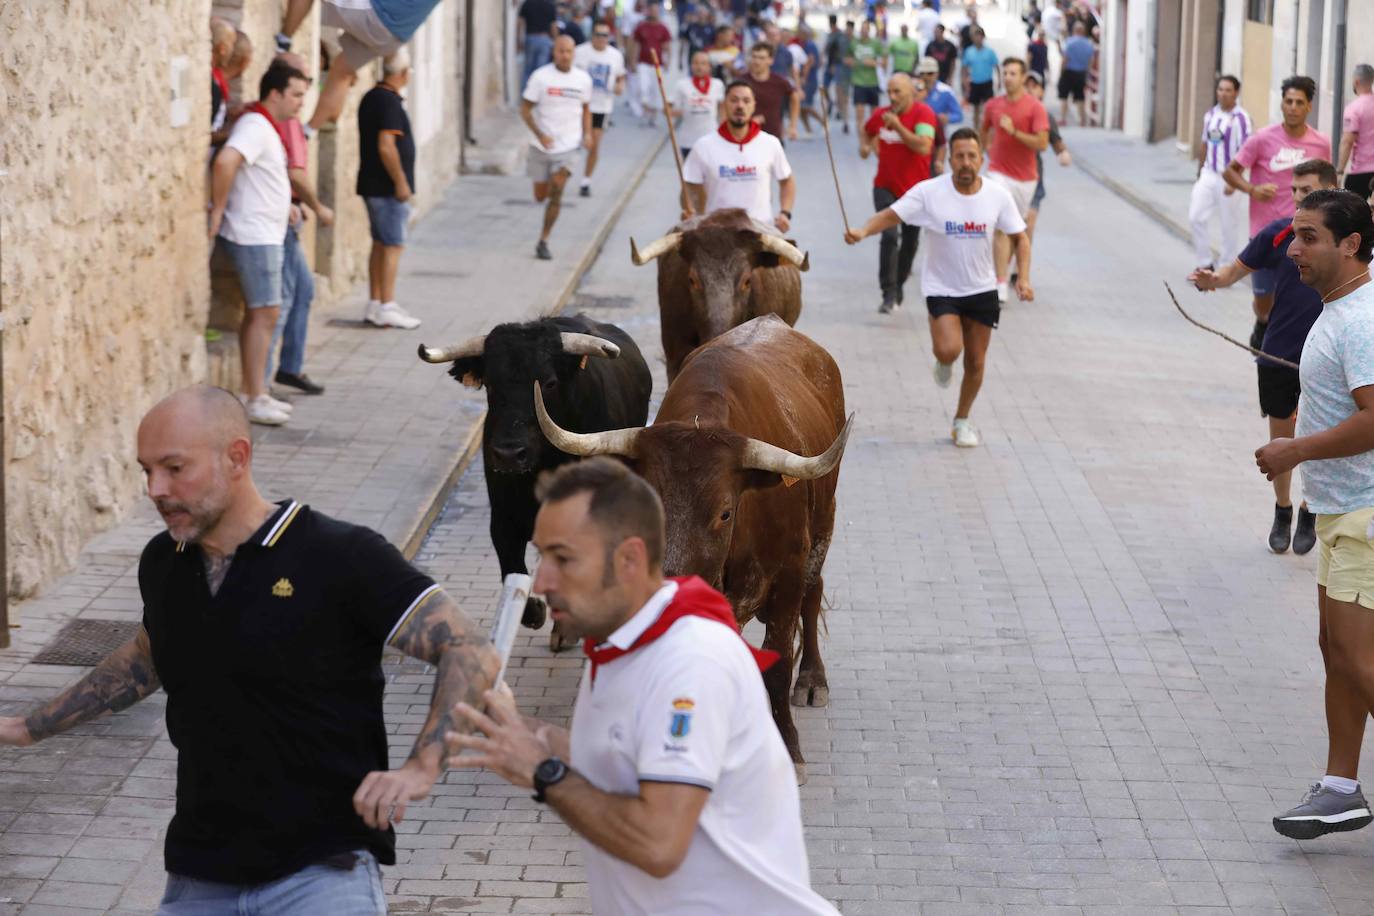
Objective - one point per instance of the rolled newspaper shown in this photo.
(515, 590)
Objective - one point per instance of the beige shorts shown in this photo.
(1022, 192)
(1345, 557)
(364, 37)
(541, 165)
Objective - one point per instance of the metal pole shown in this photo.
(4, 536)
(1338, 74)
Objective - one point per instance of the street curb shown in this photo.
(1140, 203)
(432, 506)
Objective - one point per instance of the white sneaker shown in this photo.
(943, 372)
(965, 434)
(261, 410)
(284, 406)
(391, 315)
(370, 313)
(1002, 291)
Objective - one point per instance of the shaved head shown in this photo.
(203, 413)
(221, 41)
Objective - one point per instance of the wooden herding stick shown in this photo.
(672, 133)
(1228, 339)
(834, 173)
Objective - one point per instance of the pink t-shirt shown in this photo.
(1270, 155)
(1359, 120)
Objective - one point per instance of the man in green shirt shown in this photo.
(867, 54)
(904, 52)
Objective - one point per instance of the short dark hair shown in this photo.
(1325, 171)
(965, 133)
(735, 84)
(723, 28)
(764, 46)
(1228, 78)
(1304, 84)
(1345, 213)
(1015, 60)
(277, 78)
(622, 505)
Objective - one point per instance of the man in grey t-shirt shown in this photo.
(1333, 234)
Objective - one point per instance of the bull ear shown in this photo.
(762, 480)
(766, 259)
(470, 370)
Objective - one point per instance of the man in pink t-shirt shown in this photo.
(1357, 135)
(1015, 128)
(1270, 155)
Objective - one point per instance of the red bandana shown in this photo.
(217, 75)
(694, 598)
(750, 134)
(281, 131)
(702, 84)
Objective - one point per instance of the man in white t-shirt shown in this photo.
(960, 213)
(606, 66)
(673, 773)
(1052, 21)
(926, 20)
(556, 107)
(698, 102)
(250, 206)
(736, 165)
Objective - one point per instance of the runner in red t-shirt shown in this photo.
(1015, 128)
(651, 36)
(904, 134)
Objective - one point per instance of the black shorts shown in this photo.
(1278, 391)
(980, 307)
(598, 120)
(978, 93)
(867, 95)
(1360, 183)
(1073, 83)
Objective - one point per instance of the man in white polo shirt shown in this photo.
(735, 166)
(555, 106)
(674, 772)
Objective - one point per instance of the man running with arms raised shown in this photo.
(960, 212)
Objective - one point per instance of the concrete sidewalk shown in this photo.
(381, 447)
(1156, 178)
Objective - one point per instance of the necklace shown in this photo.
(1363, 276)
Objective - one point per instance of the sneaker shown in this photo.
(1305, 537)
(262, 411)
(965, 434)
(585, 191)
(846, 127)
(1324, 810)
(300, 382)
(541, 251)
(943, 373)
(886, 308)
(1283, 524)
(370, 312)
(1002, 291)
(283, 406)
(391, 315)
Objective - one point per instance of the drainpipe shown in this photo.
(1338, 74)
(4, 573)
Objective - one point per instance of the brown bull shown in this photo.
(716, 272)
(745, 511)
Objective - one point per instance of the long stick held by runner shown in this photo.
(672, 134)
(825, 128)
(1260, 353)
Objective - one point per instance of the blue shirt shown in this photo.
(981, 63)
(1078, 53)
(1296, 305)
(943, 102)
(403, 17)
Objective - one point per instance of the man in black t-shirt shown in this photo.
(944, 52)
(386, 182)
(265, 623)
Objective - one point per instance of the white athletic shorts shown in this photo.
(1022, 192)
(364, 37)
(542, 165)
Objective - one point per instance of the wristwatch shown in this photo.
(549, 773)
(786, 213)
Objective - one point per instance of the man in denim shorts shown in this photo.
(555, 106)
(249, 211)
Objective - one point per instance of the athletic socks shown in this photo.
(586, 182)
(1341, 784)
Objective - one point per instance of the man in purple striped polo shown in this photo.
(1225, 127)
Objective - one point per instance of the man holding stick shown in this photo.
(960, 211)
(735, 166)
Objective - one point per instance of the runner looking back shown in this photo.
(960, 212)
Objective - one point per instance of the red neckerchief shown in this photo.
(749, 134)
(281, 131)
(1283, 234)
(218, 76)
(694, 598)
(702, 84)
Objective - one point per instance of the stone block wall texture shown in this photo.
(102, 225)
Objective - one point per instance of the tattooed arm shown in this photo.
(440, 633)
(121, 680)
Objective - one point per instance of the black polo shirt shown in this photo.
(274, 691)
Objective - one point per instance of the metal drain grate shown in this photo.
(86, 642)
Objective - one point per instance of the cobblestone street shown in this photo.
(1066, 675)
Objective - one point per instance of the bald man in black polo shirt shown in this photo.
(265, 623)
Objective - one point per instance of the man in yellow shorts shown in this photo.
(1333, 233)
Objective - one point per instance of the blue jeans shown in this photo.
(298, 291)
(316, 890)
(538, 52)
(388, 219)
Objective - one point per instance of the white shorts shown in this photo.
(541, 165)
(364, 37)
(648, 87)
(1022, 192)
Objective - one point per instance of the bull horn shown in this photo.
(473, 346)
(761, 456)
(657, 248)
(611, 442)
(588, 345)
(784, 249)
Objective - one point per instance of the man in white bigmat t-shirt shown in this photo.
(555, 106)
(736, 165)
(960, 213)
(606, 66)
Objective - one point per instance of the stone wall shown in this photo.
(102, 225)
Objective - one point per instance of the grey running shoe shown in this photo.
(1324, 811)
(541, 251)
